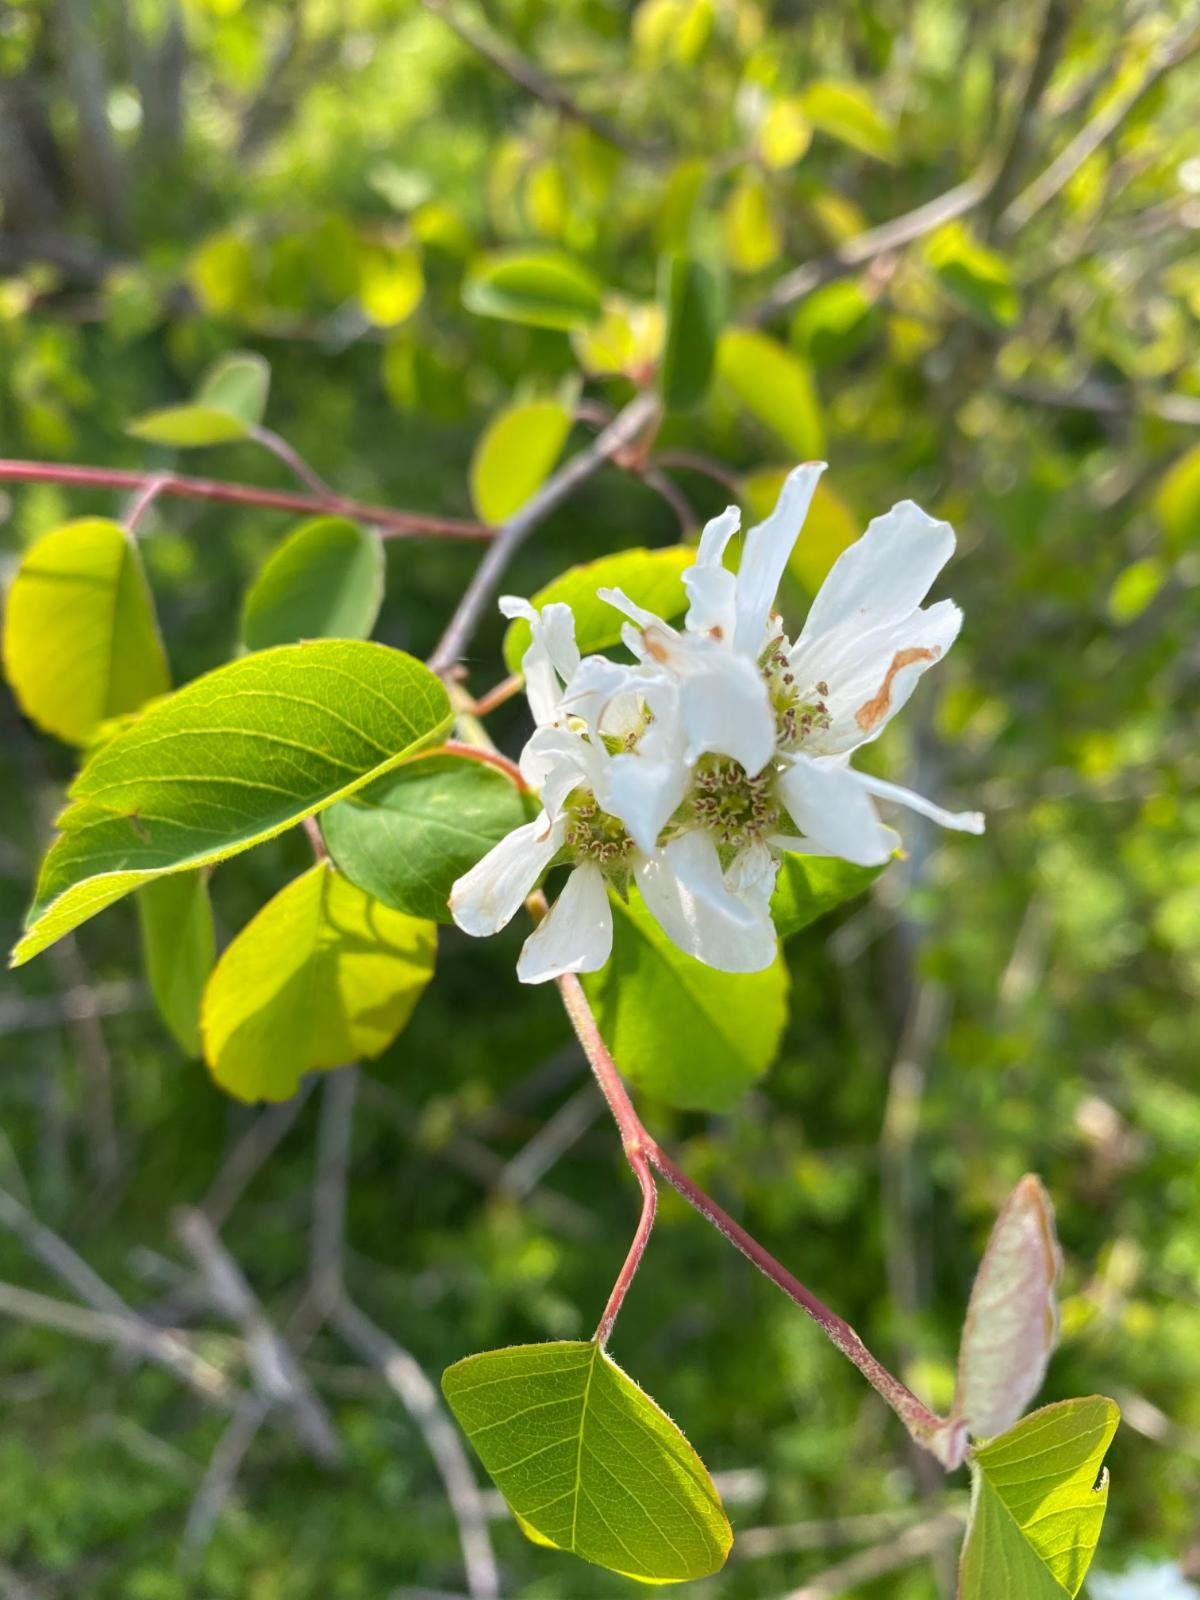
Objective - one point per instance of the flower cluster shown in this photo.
(720, 746)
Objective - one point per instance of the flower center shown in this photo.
(798, 712)
(738, 809)
(595, 835)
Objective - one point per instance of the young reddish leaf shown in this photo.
(1012, 1318)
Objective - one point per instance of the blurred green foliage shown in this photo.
(316, 181)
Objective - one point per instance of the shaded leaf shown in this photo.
(515, 455)
(693, 1036)
(588, 1462)
(81, 643)
(1038, 1502)
(653, 578)
(231, 759)
(322, 975)
(775, 386)
(324, 581)
(178, 949)
(833, 322)
(237, 384)
(408, 837)
(692, 297)
(978, 278)
(544, 289)
(810, 886)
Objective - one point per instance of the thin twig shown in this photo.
(28, 1013)
(626, 426)
(293, 461)
(1108, 400)
(907, 1548)
(391, 523)
(694, 461)
(1056, 17)
(143, 500)
(551, 1142)
(334, 1136)
(674, 496)
(223, 1467)
(829, 1533)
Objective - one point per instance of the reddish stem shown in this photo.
(640, 1148)
(391, 524)
(490, 758)
(637, 1249)
(145, 499)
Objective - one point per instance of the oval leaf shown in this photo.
(693, 1036)
(81, 643)
(1038, 1504)
(544, 289)
(692, 297)
(1177, 501)
(231, 759)
(809, 886)
(408, 837)
(188, 427)
(588, 1462)
(1012, 1319)
(846, 111)
(775, 386)
(325, 581)
(237, 384)
(322, 975)
(652, 578)
(515, 455)
(178, 948)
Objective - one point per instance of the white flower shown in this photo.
(724, 746)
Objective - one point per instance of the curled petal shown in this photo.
(883, 577)
(766, 553)
(687, 895)
(557, 760)
(552, 654)
(576, 933)
(833, 811)
(960, 821)
(487, 898)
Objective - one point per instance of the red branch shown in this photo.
(391, 524)
(490, 758)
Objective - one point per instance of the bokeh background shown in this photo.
(312, 180)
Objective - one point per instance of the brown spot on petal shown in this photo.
(655, 643)
(871, 714)
(716, 631)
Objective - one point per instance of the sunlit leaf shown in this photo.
(588, 1462)
(652, 578)
(323, 974)
(406, 838)
(833, 322)
(692, 297)
(229, 405)
(325, 581)
(516, 454)
(544, 289)
(1177, 501)
(188, 427)
(1038, 1505)
(810, 886)
(775, 386)
(81, 643)
(231, 759)
(753, 237)
(785, 133)
(847, 112)
(693, 1036)
(392, 285)
(1134, 589)
(627, 339)
(978, 278)
(1012, 1318)
(178, 950)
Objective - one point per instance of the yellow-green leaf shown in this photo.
(516, 454)
(545, 289)
(652, 578)
(978, 278)
(322, 975)
(238, 384)
(80, 640)
(846, 111)
(231, 759)
(392, 285)
(325, 581)
(1038, 1502)
(1177, 501)
(810, 886)
(588, 1462)
(188, 427)
(775, 386)
(178, 950)
(785, 133)
(753, 237)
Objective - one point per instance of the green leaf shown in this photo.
(978, 278)
(775, 386)
(515, 455)
(237, 384)
(752, 235)
(322, 975)
(846, 112)
(694, 1037)
(231, 759)
(692, 297)
(1177, 502)
(544, 289)
(810, 886)
(325, 581)
(81, 643)
(406, 838)
(188, 427)
(833, 323)
(178, 948)
(652, 578)
(1038, 1502)
(588, 1462)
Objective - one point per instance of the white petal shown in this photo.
(868, 677)
(645, 793)
(752, 874)
(766, 553)
(884, 576)
(552, 654)
(834, 812)
(711, 587)
(961, 821)
(593, 687)
(689, 899)
(724, 706)
(630, 608)
(485, 899)
(557, 760)
(576, 933)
